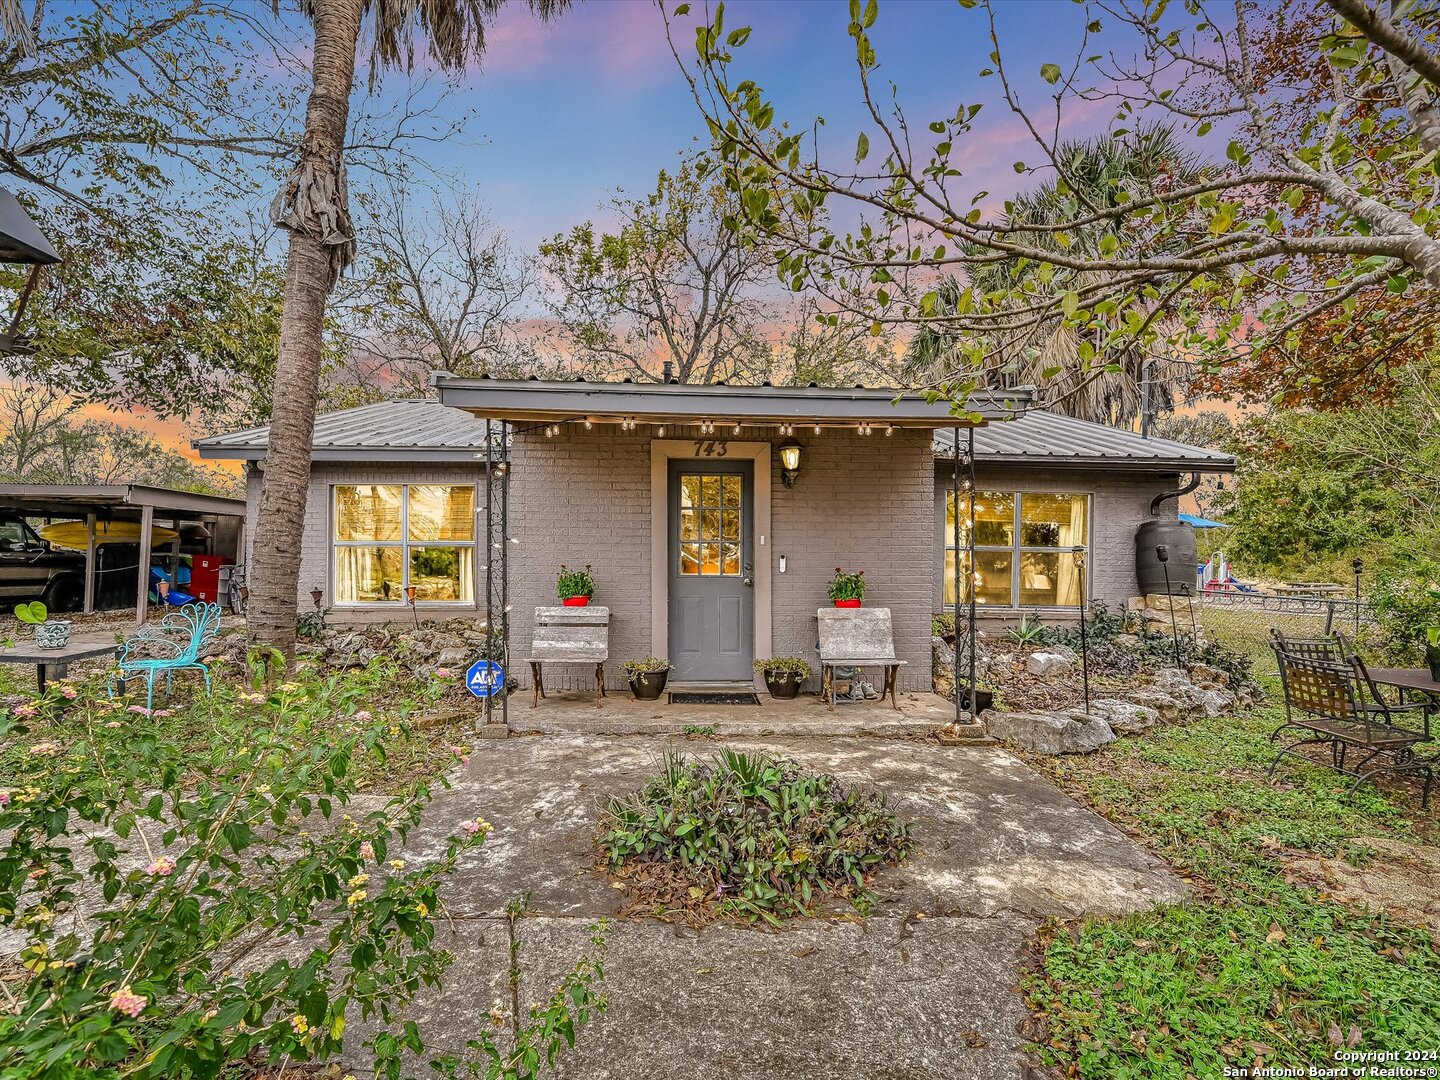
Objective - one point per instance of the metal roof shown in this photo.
(411, 429)
(422, 429)
(116, 501)
(1065, 442)
(20, 238)
(540, 401)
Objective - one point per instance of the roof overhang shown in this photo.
(223, 451)
(114, 500)
(21, 240)
(535, 401)
(1096, 464)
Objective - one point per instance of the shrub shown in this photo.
(792, 665)
(572, 583)
(1406, 603)
(845, 586)
(753, 835)
(943, 625)
(190, 895)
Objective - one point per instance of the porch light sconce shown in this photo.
(316, 595)
(789, 462)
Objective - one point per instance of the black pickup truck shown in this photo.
(31, 569)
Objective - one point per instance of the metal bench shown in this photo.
(857, 637)
(569, 635)
(1325, 701)
(176, 644)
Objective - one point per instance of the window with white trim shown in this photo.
(387, 537)
(1024, 545)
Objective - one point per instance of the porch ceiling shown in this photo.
(688, 403)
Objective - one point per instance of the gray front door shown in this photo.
(712, 578)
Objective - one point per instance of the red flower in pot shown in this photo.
(847, 590)
(575, 587)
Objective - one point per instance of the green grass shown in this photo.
(1253, 968)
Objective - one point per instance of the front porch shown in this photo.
(574, 713)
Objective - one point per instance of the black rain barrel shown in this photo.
(1149, 572)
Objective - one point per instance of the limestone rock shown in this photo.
(1195, 699)
(1047, 664)
(1211, 678)
(1125, 717)
(1049, 733)
(1128, 642)
(1167, 709)
(453, 657)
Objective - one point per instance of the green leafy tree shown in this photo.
(1063, 361)
(1316, 488)
(674, 283)
(1323, 116)
(131, 134)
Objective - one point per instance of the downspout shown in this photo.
(1185, 489)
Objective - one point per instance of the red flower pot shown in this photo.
(847, 603)
(576, 601)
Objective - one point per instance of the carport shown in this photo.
(96, 503)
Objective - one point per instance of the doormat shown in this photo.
(688, 698)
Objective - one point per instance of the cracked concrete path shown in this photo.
(926, 988)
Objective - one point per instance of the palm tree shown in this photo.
(313, 206)
(1108, 389)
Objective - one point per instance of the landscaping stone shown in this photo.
(1048, 664)
(1125, 717)
(1050, 733)
(1196, 699)
(1128, 642)
(1211, 678)
(1167, 709)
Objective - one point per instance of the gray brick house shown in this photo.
(701, 546)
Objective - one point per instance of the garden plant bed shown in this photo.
(749, 836)
(1270, 964)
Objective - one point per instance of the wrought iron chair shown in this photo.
(177, 643)
(1325, 701)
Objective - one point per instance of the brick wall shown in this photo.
(861, 503)
(1119, 502)
(581, 497)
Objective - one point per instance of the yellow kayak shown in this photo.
(71, 534)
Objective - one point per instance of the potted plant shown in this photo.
(1432, 651)
(783, 675)
(575, 587)
(847, 590)
(647, 676)
(48, 634)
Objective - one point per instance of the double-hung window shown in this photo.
(387, 537)
(1024, 548)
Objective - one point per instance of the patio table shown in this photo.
(1414, 680)
(53, 663)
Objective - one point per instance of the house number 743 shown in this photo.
(711, 448)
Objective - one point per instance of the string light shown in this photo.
(736, 430)
(817, 429)
(661, 431)
(889, 429)
(588, 425)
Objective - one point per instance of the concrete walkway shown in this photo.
(924, 989)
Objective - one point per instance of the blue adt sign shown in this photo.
(485, 678)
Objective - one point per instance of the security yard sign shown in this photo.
(485, 678)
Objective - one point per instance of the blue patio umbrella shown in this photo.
(1202, 523)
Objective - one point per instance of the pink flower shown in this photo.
(444, 673)
(479, 825)
(140, 710)
(45, 749)
(164, 866)
(69, 693)
(363, 715)
(367, 850)
(128, 1002)
(163, 712)
(114, 724)
(4, 798)
(25, 711)
(461, 753)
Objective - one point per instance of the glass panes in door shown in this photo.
(709, 538)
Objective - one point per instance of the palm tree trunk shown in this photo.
(314, 206)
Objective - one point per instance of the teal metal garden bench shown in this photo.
(177, 643)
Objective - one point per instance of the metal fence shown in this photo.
(1243, 620)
